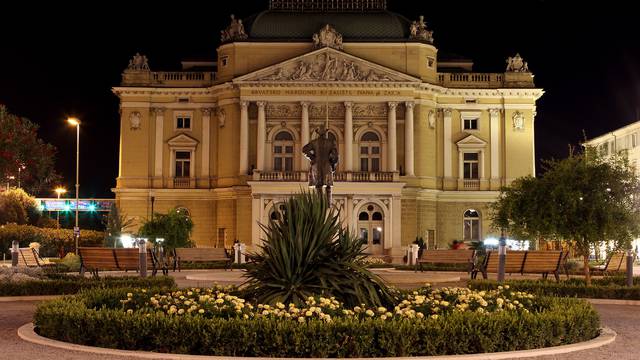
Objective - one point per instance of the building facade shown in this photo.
(425, 143)
(626, 139)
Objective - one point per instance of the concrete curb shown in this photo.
(26, 332)
(29, 298)
(613, 302)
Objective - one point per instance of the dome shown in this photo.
(380, 26)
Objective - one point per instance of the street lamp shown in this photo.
(75, 122)
(9, 178)
(20, 168)
(59, 191)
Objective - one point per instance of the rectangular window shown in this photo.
(364, 164)
(634, 141)
(375, 164)
(471, 166)
(183, 122)
(364, 235)
(377, 235)
(277, 164)
(288, 164)
(471, 230)
(471, 124)
(183, 164)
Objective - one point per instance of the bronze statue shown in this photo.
(323, 154)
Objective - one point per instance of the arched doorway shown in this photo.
(371, 228)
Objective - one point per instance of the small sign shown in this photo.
(76, 231)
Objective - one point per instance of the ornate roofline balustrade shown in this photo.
(168, 78)
(486, 80)
(328, 5)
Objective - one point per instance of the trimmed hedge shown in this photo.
(96, 318)
(435, 267)
(606, 288)
(53, 242)
(66, 284)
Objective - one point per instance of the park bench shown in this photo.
(447, 257)
(617, 262)
(29, 257)
(99, 258)
(523, 262)
(201, 255)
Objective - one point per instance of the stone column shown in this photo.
(348, 136)
(391, 141)
(206, 135)
(157, 172)
(447, 144)
(261, 137)
(244, 137)
(495, 143)
(408, 139)
(304, 129)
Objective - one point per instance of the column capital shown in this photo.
(409, 105)
(261, 104)
(447, 112)
(305, 104)
(244, 103)
(392, 104)
(206, 111)
(494, 112)
(348, 105)
(159, 111)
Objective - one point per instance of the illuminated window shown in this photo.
(283, 152)
(471, 225)
(370, 154)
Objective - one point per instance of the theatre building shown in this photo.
(425, 143)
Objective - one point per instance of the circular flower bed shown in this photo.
(215, 322)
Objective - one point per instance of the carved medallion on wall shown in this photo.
(135, 120)
(370, 110)
(518, 121)
(286, 111)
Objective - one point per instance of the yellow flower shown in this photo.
(201, 311)
(369, 313)
(181, 311)
(129, 311)
(308, 313)
(301, 319)
(420, 315)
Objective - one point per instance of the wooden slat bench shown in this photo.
(99, 258)
(447, 257)
(129, 258)
(29, 257)
(513, 263)
(617, 262)
(543, 262)
(201, 255)
(524, 262)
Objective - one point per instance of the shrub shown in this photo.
(175, 227)
(16, 206)
(605, 288)
(305, 252)
(60, 284)
(98, 318)
(54, 242)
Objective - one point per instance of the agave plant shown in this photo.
(306, 252)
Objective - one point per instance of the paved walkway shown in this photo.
(625, 320)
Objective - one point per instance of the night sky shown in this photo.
(63, 60)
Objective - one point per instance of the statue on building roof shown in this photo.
(517, 64)
(322, 152)
(138, 63)
(419, 31)
(235, 31)
(327, 37)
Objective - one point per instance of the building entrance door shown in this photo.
(371, 228)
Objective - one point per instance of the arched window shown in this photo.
(370, 152)
(371, 228)
(283, 152)
(471, 221)
(277, 212)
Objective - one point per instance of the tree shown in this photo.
(115, 224)
(21, 148)
(16, 206)
(174, 227)
(584, 199)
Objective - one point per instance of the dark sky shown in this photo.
(63, 60)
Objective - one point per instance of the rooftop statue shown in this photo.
(138, 63)
(323, 155)
(327, 37)
(235, 31)
(517, 64)
(419, 31)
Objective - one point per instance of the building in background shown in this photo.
(425, 143)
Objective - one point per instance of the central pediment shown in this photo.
(326, 65)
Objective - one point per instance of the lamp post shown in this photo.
(76, 230)
(20, 168)
(9, 178)
(59, 191)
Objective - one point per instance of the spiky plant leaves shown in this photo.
(306, 252)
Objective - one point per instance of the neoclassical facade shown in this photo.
(425, 143)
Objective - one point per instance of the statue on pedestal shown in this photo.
(323, 154)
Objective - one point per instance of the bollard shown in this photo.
(243, 250)
(502, 255)
(14, 253)
(142, 250)
(236, 253)
(414, 253)
(629, 267)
